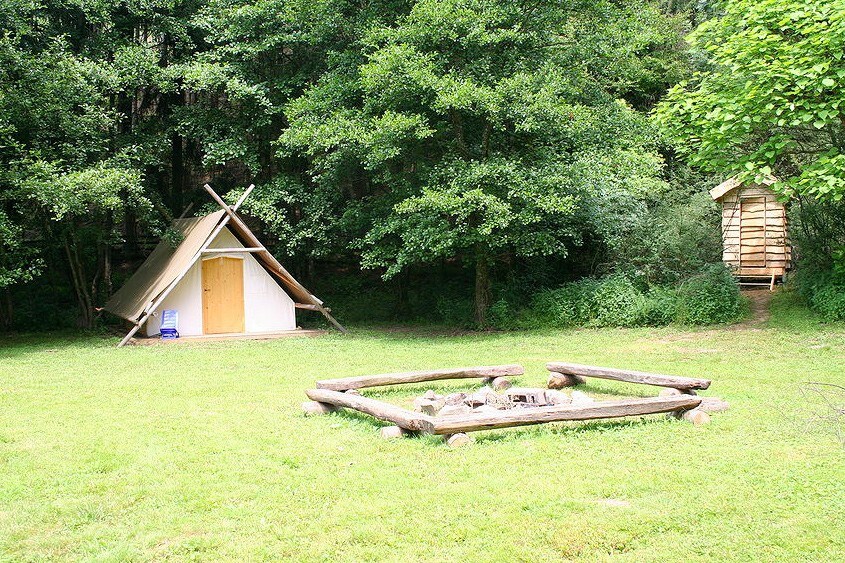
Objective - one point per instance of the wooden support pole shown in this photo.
(403, 418)
(629, 376)
(362, 381)
(540, 415)
(309, 307)
(230, 250)
(274, 266)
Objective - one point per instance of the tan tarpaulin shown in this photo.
(165, 264)
(162, 267)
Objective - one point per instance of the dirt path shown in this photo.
(759, 300)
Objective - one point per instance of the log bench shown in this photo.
(362, 381)
(416, 422)
(684, 384)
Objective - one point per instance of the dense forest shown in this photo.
(471, 162)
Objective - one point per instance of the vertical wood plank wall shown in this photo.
(754, 232)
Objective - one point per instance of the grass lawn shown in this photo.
(199, 452)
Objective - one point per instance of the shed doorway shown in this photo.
(752, 233)
(223, 295)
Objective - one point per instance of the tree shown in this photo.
(465, 130)
(769, 98)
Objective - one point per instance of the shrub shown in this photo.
(659, 308)
(829, 302)
(709, 298)
(824, 291)
(616, 302)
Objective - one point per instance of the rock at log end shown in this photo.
(713, 404)
(561, 380)
(708, 404)
(501, 383)
(697, 416)
(313, 408)
(459, 440)
(391, 432)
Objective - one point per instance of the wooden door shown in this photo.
(222, 295)
(753, 233)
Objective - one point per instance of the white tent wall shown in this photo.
(267, 308)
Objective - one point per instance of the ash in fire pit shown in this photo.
(487, 400)
(527, 396)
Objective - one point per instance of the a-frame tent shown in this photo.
(220, 238)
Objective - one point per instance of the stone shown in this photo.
(455, 399)
(459, 440)
(501, 383)
(579, 398)
(313, 408)
(454, 410)
(561, 380)
(479, 397)
(353, 392)
(554, 397)
(391, 432)
(713, 404)
(430, 394)
(697, 416)
(428, 406)
(485, 409)
(669, 392)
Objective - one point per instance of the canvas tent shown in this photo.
(219, 278)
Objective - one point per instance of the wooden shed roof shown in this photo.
(733, 183)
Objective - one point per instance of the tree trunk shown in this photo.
(5, 310)
(77, 274)
(482, 291)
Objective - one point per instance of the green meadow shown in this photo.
(199, 451)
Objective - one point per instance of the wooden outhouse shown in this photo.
(754, 231)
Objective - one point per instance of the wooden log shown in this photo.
(629, 376)
(342, 384)
(412, 421)
(540, 415)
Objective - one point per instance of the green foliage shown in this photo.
(400, 135)
(770, 97)
(709, 298)
(17, 263)
(674, 235)
(817, 231)
(826, 295)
